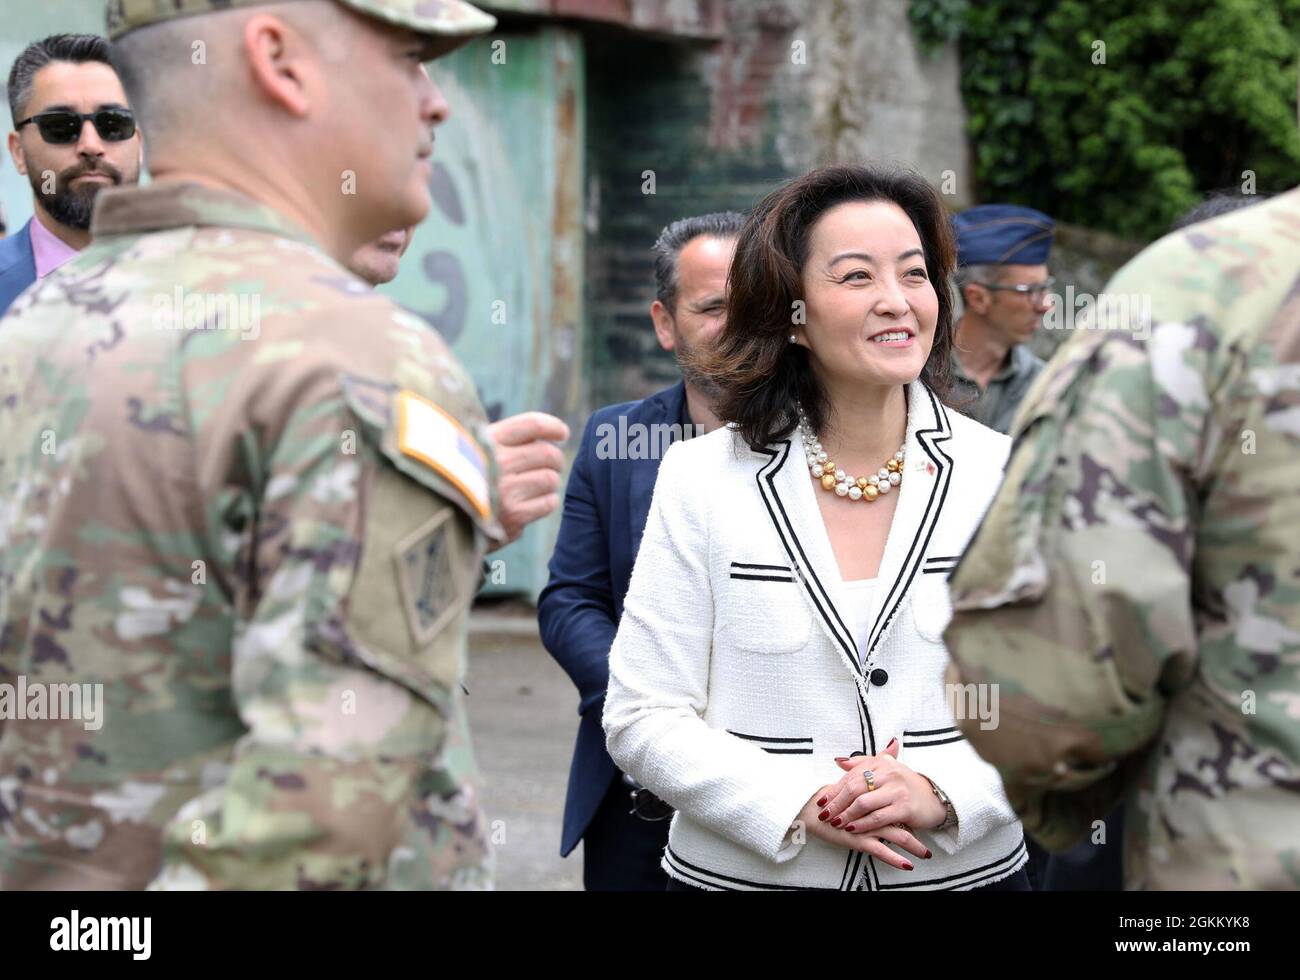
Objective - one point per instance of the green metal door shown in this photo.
(496, 267)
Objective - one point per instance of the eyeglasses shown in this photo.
(645, 804)
(1034, 290)
(62, 126)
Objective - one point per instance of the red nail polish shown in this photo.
(909, 866)
(849, 828)
(891, 742)
(836, 822)
(822, 801)
(841, 758)
(928, 855)
(823, 815)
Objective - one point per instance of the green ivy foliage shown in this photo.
(937, 22)
(1190, 95)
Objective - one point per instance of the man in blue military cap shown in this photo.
(1002, 252)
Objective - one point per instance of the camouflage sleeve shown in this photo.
(347, 577)
(1074, 599)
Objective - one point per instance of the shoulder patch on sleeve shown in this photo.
(429, 576)
(430, 436)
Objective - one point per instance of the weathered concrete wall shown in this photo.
(789, 85)
(873, 95)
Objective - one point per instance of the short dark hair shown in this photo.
(668, 247)
(760, 374)
(76, 48)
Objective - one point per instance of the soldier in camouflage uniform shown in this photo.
(250, 498)
(1134, 591)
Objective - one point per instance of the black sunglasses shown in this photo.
(62, 126)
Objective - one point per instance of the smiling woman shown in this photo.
(775, 290)
(778, 671)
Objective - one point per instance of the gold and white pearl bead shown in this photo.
(833, 478)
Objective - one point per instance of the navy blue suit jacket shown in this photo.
(605, 509)
(17, 266)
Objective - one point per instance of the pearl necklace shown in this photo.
(855, 488)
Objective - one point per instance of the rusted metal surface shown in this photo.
(564, 343)
(699, 19)
(497, 266)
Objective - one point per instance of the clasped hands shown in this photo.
(847, 814)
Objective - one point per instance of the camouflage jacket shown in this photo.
(1134, 591)
(245, 501)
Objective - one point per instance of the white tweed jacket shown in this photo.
(735, 679)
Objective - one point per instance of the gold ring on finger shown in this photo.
(869, 776)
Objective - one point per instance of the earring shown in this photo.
(792, 338)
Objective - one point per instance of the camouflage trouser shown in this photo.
(470, 862)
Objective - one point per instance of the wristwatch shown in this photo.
(950, 816)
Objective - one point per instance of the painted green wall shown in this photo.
(497, 266)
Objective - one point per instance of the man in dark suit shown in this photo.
(17, 266)
(605, 509)
(73, 136)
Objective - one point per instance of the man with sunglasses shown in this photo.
(1002, 252)
(73, 136)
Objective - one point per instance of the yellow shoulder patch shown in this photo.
(430, 436)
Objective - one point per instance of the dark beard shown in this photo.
(68, 205)
(701, 382)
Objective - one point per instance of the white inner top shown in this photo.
(860, 601)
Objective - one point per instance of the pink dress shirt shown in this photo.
(48, 249)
